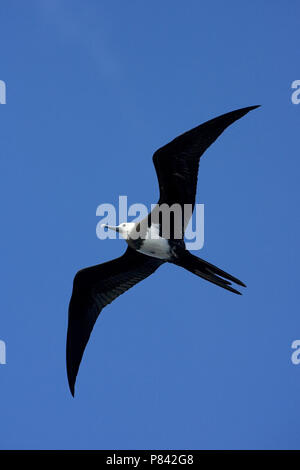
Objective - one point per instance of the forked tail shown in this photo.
(208, 271)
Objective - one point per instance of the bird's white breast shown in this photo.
(154, 245)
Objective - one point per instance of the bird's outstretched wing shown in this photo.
(93, 289)
(177, 162)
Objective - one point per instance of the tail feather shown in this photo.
(208, 271)
(214, 270)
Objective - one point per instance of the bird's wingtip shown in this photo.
(249, 108)
(72, 390)
(242, 111)
(71, 386)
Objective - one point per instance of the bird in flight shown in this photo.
(176, 165)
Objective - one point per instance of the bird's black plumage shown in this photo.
(176, 165)
(93, 289)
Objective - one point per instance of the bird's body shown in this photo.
(151, 242)
(155, 245)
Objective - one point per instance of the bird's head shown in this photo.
(124, 229)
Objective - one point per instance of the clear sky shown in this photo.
(93, 89)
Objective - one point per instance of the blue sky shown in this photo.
(93, 89)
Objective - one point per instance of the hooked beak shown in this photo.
(111, 227)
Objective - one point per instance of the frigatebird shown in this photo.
(176, 165)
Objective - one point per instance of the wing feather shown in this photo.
(93, 289)
(177, 162)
